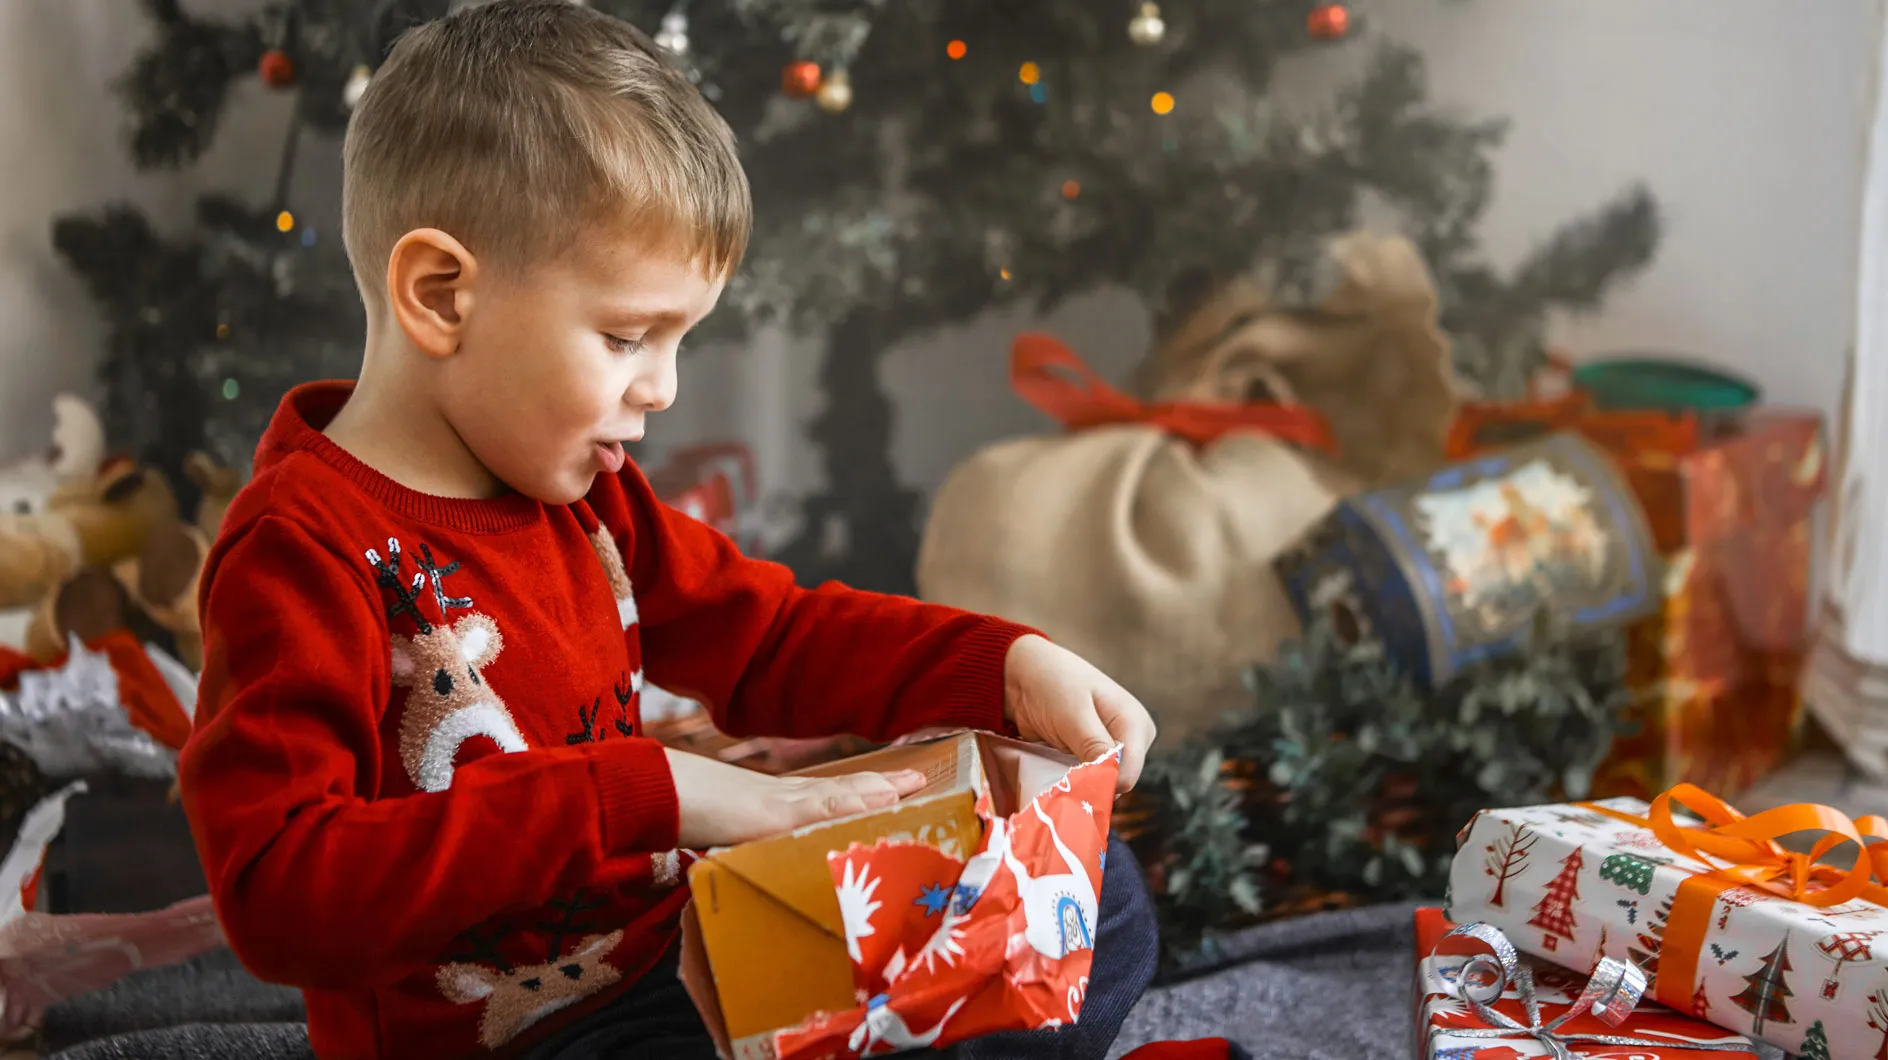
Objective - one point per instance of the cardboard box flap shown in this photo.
(699, 981)
(1020, 771)
(795, 873)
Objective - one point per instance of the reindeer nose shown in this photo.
(442, 682)
(572, 971)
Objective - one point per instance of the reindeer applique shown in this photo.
(448, 700)
(518, 996)
(631, 694)
(612, 559)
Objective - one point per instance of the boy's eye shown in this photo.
(618, 344)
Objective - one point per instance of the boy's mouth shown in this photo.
(611, 456)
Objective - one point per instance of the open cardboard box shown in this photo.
(763, 945)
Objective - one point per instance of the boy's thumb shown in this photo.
(1092, 739)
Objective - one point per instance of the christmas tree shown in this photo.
(1645, 950)
(1630, 871)
(915, 164)
(1506, 858)
(1878, 1020)
(1766, 992)
(1554, 913)
(1815, 1043)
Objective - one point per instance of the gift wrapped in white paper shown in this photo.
(1569, 883)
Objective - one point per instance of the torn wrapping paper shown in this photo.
(1477, 1000)
(116, 706)
(1731, 927)
(947, 929)
(46, 958)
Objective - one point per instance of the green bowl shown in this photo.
(1643, 382)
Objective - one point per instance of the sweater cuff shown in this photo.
(973, 692)
(636, 797)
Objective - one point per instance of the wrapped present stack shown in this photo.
(1728, 489)
(1726, 924)
(1527, 1007)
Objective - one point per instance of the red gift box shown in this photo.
(1447, 1024)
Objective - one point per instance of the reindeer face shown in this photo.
(448, 701)
(443, 665)
(520, 997)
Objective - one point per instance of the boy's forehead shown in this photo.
(617, 249)
(640, 277)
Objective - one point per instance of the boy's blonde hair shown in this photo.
(514, 125)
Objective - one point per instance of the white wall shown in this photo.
(61, 133)
(1748, 119)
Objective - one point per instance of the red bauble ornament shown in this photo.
(800, 79)
(276, 68)
(1329, 21)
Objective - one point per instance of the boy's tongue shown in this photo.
(611, 455)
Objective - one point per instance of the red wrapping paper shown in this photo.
(946, 951)
(1440, 1009)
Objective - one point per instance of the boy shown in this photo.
(417, 781)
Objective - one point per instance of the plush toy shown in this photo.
(77, 449)
(152, 587)
(38, 549)
(89, 544)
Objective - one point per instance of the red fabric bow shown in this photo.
(1048, 375)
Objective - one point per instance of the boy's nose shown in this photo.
(654, 390)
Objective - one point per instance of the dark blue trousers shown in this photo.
(656, 1019)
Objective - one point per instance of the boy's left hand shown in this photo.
(1053, 696)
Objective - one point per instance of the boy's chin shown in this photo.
(567, 488)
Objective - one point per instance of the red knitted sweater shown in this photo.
(417, 778)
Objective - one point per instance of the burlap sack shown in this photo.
(1143, 539)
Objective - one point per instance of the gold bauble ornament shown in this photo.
(835, 93)
(1146, 28)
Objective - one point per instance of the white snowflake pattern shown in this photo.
(1088, 808)
(1449, 1008)
(943, 945)
(856, 907)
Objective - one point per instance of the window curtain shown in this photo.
(1846, 683)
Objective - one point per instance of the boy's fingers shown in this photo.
(1131, 726)
(906, 781)
(839, 802)
(860, 792)
(1090, 738)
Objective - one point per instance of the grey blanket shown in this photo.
(1335, 986)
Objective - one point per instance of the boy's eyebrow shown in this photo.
(647, 314)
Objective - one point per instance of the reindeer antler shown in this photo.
(406, 596)
(481, 947)
(625, 689)
(567, 925)
(405, 600)
(438, 576)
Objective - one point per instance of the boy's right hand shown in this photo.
(721, 805)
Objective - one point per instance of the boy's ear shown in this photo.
(430, 278)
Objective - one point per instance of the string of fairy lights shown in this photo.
(828, 86)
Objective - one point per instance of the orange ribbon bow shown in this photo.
(1740, 851)
(1049, 375)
